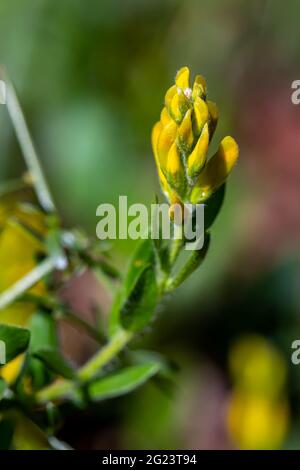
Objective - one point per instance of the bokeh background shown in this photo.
(91, 77)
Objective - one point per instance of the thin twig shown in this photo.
(26, 144)
(27, 281)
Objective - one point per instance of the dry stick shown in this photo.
(17, 117)
(27, 281)
(43, 193)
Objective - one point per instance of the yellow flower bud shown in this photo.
(178, 107)
(165, 117)
(169, 95)
(185, 132)
(166, 138)
(201, 115)
(199, 87)
(197, 158)
(175, 171)
(182, 78)
(216, 170)
(154, 138)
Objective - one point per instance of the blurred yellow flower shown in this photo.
(256, 422)
(22, 228)
(258, 412)
(180, 142)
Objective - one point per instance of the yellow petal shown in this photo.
(165, 140)
(174, 163)
(165, 117)
(199, 87)
(197, 158)
(156, 130)
(185, 132)
(10, 371)
(169, 95)
(178, 107)
(182, 78)
(154, 137)
(175, 171)
(201, 115)
(216, 170)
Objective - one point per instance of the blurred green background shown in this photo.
(91, 77)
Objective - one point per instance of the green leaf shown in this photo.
(139, 307)
(143, 258)
(16, 340)
(43, 335)
(2, 388)
(213, 206)
(43, 331)
(122, 382)
(27, 435)
(54, 360)
(193, 262)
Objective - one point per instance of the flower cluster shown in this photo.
(180, 143)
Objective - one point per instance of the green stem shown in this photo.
(55, 391)
(26, 144)
(177, 243)
(105, 355)
(193, 262)
(61, 389)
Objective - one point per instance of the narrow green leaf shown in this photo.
(139, 307)
(54, 360)
(27, 435)
(2, 388)
(142, 258)
(193, 262)
(16, 340)
(43, 331)
(213, 206)
(43, 335)
(122, 382)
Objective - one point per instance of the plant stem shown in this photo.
(192, 263)
(26, 282)
(56, 390)
(177, 243)
(61, 389)
(26, 144)
(105, 355)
